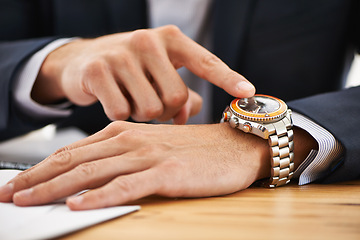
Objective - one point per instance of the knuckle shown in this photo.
(144, 40)
(141, 35)
(124, 186)
(172, 30)
(209, 60)
(209, 63)
(93, 73)
(125, 60)
(176, 99)
(153, 111)
(95, 68)
(130, 135)
(60, 150)
(118, 113)
(86, 169)
(61, 158)
(25, 177)
(114, 127)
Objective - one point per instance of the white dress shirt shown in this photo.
(25, 80)
(191, 16)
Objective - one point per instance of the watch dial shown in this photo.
(259, 104)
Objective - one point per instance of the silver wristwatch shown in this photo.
(267, 117)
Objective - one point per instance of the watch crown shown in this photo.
(234, 122)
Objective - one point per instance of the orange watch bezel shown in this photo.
(259, 116)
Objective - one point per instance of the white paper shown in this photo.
(49, 221)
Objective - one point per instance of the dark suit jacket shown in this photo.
(299, 51)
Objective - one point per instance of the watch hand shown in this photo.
(252, 105)
(252, 101)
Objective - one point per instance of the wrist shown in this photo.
(251, 151)
(47, 88)
(269, 118)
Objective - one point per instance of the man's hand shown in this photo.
(127, 161)
(134, 74)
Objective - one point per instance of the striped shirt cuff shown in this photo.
(318, 163)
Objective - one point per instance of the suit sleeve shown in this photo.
(339, 113)
(12, 54)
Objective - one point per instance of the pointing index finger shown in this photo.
(185, 52)
(209, 67)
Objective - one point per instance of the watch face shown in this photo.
(258, 104)
(259, 108)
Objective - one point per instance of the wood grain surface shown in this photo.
(312, 211)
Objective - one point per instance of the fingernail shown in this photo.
(6, 189)
(24, 193)
(75, 200)
(245, 86)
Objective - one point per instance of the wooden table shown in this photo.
(291, 212)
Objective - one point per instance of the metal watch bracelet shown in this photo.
(281, 144)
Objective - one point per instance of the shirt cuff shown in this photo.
(318, 163)
(25, 79)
